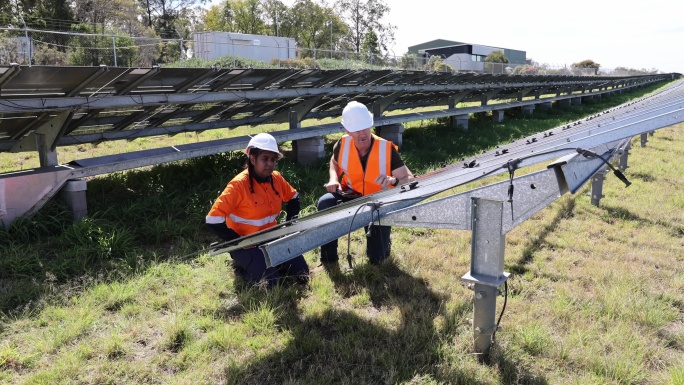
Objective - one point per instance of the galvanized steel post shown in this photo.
(486, 268)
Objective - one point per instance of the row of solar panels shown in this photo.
(136, 102)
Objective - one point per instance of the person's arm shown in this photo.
(292, 208)
(403, 175)
(216, 218)
(333, 182)
(399, 175)
(223, 231)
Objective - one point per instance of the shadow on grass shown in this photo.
(613, 213)
(339, 346)
(510, 370)
(565, 211)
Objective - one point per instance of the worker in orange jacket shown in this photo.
(362, 164)
(251, 202)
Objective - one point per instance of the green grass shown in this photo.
(595, 296)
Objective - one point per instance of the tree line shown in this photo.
(345, 25)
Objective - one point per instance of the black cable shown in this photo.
(382, 238)
(349, 257)
(590, 154)
(502, 311)
(511, 165)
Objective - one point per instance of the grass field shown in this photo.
(596, 294)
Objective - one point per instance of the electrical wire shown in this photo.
(349, 256)
(590, 154)
(503, 308)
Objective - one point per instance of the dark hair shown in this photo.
(254, 151)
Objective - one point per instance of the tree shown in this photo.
(46, 14)
(526, 69)
(94, 50)
(365, 15)
(310, 25)
(167, 17)
(275, 12)
(494, 62)
(370, 43)
(409, 61)
(108, 15)
(437, 64)
(219, 17)
(587, 64)
(248, 16)
(496, 57)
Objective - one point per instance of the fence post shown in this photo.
(27, 37)
(180, 45)
(114, 45)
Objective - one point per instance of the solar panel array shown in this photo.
(103, 103)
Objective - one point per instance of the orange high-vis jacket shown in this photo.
(246, 212)
(352, 174)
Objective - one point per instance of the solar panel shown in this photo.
(32, 96)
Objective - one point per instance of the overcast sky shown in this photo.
(644, 34)
(633, 34)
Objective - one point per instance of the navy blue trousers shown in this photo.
(252, 267)
(378, 243)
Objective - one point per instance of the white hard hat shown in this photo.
(265, 142)
(356, 117)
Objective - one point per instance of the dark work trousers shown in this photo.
(254, 267)
(378, 243)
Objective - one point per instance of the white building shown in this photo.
(211, 45)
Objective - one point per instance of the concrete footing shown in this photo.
(565, 103)
(460, 121)
(497, 116)
(393, 132)
(309, 150)
(73, 193)
(527, 110)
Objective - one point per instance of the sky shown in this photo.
(633, 34)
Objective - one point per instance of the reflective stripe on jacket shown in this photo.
(352, 174)
(246, 212)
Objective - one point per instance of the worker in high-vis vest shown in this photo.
(362, 163)
(251, 202)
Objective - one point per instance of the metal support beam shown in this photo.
(6, 74)
(624, 155)
(453, 100)
(293, 120)
(49, 133)
(380, 105)
(486, 268)
(644, 139)
(597, 186)
(46, 157)
(485, 97)
(295, 113)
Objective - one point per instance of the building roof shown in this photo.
(433, 44)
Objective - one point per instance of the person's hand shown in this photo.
(385, 181)
(332, 186)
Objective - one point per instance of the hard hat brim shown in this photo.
(280, 155)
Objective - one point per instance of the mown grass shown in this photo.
(596, 294)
